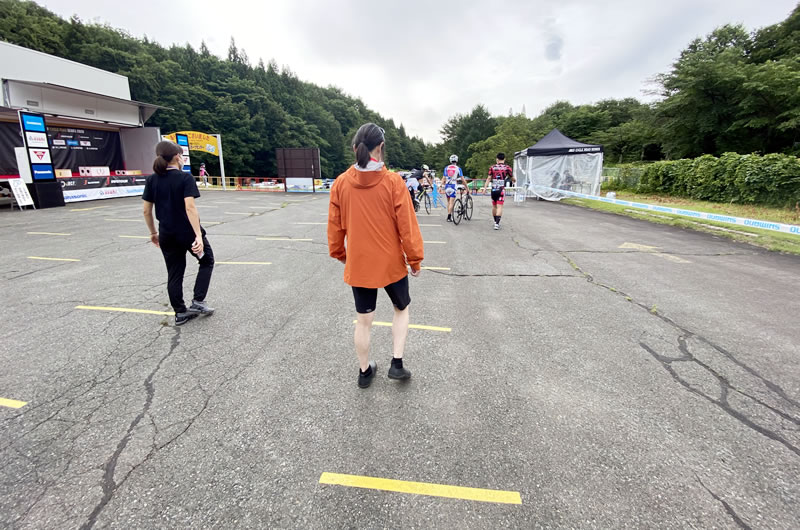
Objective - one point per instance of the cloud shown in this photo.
(552, 49)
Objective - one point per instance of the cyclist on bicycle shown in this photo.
(451, 175)
(412, 183)
(498, 174)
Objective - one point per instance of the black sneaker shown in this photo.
(449, 219)
(183, 318)
(396, 371)
(365, 378)
(200, 308)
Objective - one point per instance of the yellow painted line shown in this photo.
(428, 225)
(87, 209)
(12, 403)
(136, 237)
(412, 326)
(281, 239)
(52, 259)
(435, 268)
(323, 224)
(435, 242)
(125, 220)
(49, 234)
(670, 257)
(123, 310)
(239, 213)
(654, 251)
(243, 263)
(422, 488)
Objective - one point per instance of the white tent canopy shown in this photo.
(557, 163)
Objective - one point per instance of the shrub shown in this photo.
(772, 179)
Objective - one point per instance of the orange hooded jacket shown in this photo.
(373, 210)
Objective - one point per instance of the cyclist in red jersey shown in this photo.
(498, 174)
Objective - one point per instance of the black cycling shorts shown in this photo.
(498, 196)
(397, 291)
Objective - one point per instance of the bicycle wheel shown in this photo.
(427, 204)
(468, 207)
(458, 211)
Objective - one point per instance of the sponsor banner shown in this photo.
(303, 185)
(102, 193)
(88, 182)
(196, 141)
(34, 123)
(42, 172)
(73, 148)
(728, 219)
(40, 156)
(36, 139)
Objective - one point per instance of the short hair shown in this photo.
(501, 156)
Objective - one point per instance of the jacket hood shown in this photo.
(366, 177)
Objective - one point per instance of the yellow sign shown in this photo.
(199, 141)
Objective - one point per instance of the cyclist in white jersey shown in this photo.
(450, 177)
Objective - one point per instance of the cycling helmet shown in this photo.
(425, 167)
(453, 158)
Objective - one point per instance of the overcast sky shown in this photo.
(421, 62)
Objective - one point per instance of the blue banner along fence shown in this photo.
(741, 221)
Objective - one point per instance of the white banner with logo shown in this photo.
(729, 219)
(93, 194)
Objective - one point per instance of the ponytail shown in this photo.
(367, 138)
(165, 152)
(160, 165)
(362, 155)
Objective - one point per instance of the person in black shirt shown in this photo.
(173, 192)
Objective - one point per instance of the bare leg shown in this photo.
(399, 331)
(363, 327)
(499, 210)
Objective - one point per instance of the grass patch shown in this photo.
(768, 239)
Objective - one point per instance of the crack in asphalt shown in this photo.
(725, 386)
(738, 520)
(109, 486)
(521, 275)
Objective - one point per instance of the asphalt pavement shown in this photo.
(604, 371)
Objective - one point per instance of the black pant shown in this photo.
(174, 249)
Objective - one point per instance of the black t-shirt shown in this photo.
(168, 192)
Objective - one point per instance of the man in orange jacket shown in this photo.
(370, 207)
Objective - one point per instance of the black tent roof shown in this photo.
(555, 143)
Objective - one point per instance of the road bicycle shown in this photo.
(462, 207)
(431, 198)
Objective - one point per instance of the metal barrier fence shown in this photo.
(622, 177)
(265, 184)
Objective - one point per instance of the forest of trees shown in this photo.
(256, 108)
(732, 91)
